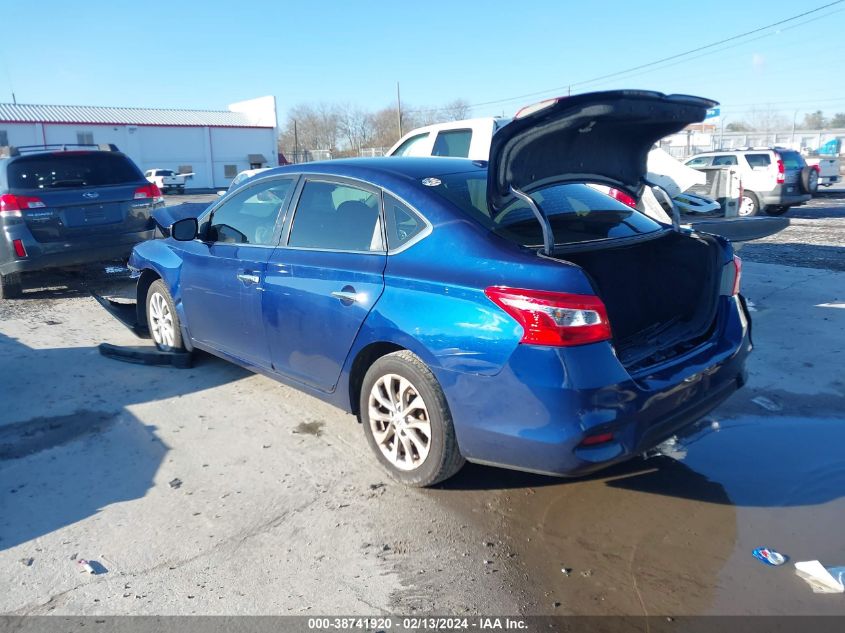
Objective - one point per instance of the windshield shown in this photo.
(71, 169)
(577, 212)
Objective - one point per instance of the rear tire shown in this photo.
(162, 319)
(749, 205)
(776, 210)
(11, 286)
(418, 448)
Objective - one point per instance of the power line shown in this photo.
(660, 61)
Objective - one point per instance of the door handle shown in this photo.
(249, 278)
(346, 297)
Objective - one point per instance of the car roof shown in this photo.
(393, 166)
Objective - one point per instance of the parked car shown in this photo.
(242, 177)
(773, 179)
(63, 205)
(827, 168)
(167, 180)
(469, 138)
(506, 315)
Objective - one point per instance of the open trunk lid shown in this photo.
(600, 137)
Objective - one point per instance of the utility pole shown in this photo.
(295, 143)
(398, 110)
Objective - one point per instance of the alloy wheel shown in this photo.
(161, 320)
(399, 421)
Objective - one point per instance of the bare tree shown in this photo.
(456, 110)
(356, 127)
(767, 119)
(317, 127)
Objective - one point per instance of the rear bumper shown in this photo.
(784, 196)
(42, 255)
(535, 413)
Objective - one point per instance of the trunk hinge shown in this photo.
(676, 212)
(545, 225)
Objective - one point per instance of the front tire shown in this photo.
(11, 286)
(162, 319)
(407, 421)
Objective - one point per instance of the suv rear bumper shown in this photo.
(42, 255)
(781, 196)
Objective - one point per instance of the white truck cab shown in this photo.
(469, 138)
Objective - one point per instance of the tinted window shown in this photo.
(334, 216)
(164, 172)
(249, 216)
(452, 143)
(758, 160)
(402, 223)
(71, 169)
(699, 161)
(792, 160)
(411, 147)
(577, 213)
(724, 160)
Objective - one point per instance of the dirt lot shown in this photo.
(211, 490)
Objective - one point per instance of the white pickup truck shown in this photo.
(826, 166)
(167, 179)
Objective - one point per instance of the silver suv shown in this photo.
(773, 179)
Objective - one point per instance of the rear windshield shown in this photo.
(792, 160)
(577, 212)
(71, 169)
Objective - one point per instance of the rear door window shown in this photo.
(251, 215)
(453, 143)
(758, 160)
(338, 217)
(721, 161)
(72, 170)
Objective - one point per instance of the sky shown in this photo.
(501, 55)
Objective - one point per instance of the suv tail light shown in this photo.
(781, 172)
(12, 205)
(623, 197)
(554, 318)
(818, 168)
(148, 191)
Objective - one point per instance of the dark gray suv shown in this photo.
(65, 205)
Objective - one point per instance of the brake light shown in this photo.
(20, 251)
(601, 438)
(781, 172)
(623, 197)
(737, 275)
(12, 205)
(149, 191)
(554, 318)
(818, 168)
(536, 107)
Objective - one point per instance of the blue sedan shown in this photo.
(503, 313)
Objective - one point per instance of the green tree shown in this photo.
(814, 121)
(838, 120)
(738, 126)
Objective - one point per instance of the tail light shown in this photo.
(149, 191)
(737, 275)
(20, 250)
(554, 318)
(12, 205)
(781, 172)
(818, 168)
(623, 197)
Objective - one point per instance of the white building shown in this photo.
(213, 144)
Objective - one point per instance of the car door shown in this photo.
(223, 271)
(324, 279)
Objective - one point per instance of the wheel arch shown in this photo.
(148, 276)
(363, 360)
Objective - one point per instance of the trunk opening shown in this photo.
(661, 295)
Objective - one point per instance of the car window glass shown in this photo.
(700, 161)
(758, 160)
(792, 160)
(64, 170)
(334, 216)
(452, 143)
(402, 223)
(411, 147)
(249, 216)
(577, 212)
(724, 160)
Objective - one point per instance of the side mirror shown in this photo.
(184, 230)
